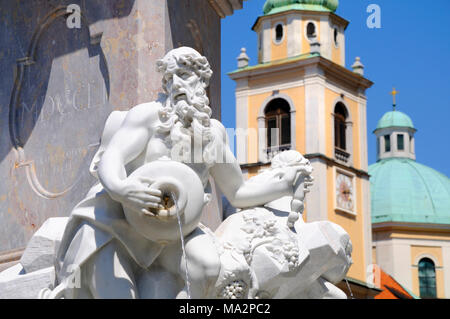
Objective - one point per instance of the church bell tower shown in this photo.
(301, 96)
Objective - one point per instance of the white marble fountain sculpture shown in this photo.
(123, 240)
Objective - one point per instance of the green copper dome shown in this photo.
(395, 119)
(405, 191)
(275, 6)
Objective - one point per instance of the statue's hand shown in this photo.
(138, 194)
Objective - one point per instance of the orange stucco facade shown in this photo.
(353, 224)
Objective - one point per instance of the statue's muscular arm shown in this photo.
(241, 194)
(126, 144)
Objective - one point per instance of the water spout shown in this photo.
(350, 289)
(174, 199)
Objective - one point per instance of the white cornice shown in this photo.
(332, 71)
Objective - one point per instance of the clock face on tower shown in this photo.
(344, 192)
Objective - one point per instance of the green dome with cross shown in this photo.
(395, 119)
(276, 6)
(402, 190)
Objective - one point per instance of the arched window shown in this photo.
(335, 36)
(378, 147)
(427, 278)
(311, 31)
(387, 143)
(340, 134)
(400, 142)
(278, 124)
(278, 32)
(340, 116)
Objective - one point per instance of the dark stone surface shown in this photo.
(58, 86)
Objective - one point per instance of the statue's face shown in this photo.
(182, 84)
(184, 88)
(186, 77)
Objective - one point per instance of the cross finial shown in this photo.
(394, 93)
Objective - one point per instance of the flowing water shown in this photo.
(182, 245)
(349, 289)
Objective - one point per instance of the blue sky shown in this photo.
(411, 51)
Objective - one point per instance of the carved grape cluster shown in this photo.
(234, 290)
(269, 227)
(256, 229)
(291, 254)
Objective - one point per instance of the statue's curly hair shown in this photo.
(186, 57)
(289, 158)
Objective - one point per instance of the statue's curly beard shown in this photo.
(187, 119)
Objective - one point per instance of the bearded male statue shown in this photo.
(117, 260)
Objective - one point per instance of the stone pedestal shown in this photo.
(60, 82)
